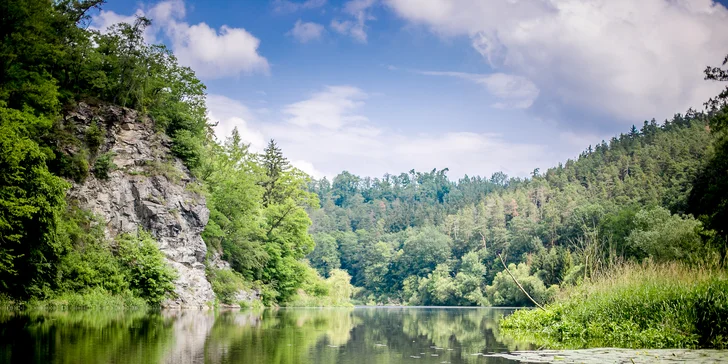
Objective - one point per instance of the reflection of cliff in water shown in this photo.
(283, 336)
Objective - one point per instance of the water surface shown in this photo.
(305, 335)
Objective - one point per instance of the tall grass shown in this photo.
(91, 299)
(637, 306)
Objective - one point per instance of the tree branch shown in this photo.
(518, 284)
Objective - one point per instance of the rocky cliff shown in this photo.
(147, 188)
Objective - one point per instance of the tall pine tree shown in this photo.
(275, 165)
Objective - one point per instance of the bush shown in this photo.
(104, 164)
(664, 237)
(505, 292)
(637, 306)
(90, 299)
(187, 147)
(94, 137)
(74, 167)
(318, 292)
(226, 284)
(149, 275)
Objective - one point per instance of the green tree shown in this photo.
(325, 256)
(275, 166)
(31, 201)
(666, 237)
(423, 251)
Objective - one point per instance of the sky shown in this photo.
(476, 86)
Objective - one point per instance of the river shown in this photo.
(282, 336)
(362, 335)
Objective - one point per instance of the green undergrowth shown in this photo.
(635, 306)
(92, 299)
(335, 291)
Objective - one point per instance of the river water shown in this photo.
(283, 336)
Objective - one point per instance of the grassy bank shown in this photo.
(92, 299)
(634, 306)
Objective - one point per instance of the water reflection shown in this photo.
(284, 336)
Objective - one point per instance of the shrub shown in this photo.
(104, 164)
(149, 275)
(505, 292)
(226, 284)
(90, 299)
(94, 137)
(318, 292)
(187, 147)
(74, 167)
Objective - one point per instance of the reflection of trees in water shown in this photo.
(84, 337)
(408, 331)
(284, 336)
(278, 337)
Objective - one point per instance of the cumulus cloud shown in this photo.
(358, 10)
(515, 92)
(629, 60)
(329, 132)
(306, 32)
(212, 53)
(332, 108)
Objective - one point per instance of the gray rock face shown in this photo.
(148, 189)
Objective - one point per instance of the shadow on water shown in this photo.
(305, 335)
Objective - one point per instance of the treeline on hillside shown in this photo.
(419, 238)
(49, 61)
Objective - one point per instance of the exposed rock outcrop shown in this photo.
(149, 189)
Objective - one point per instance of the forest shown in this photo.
(656, 194)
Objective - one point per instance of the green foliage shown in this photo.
(567, 224)
(325, 256)
(423, 251)
(150, 277)
(552, 265)
(104, 164)
(263, 238)
(90, 263)
(226, 284)
(31, 199)
(318, 292)
(94, 137)
(708, 197)
(649, 306)
(666, 237)
(90, 299)
(505, 292)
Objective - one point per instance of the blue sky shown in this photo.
(478, 86)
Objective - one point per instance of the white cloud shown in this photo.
(211, 53)
(306, 32)
(332, 108)
(230, 114)
(343, 138)
(286, 6)
(355, 28)
(105, 19)
(515, 92)
(628, 59)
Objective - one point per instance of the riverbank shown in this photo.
(92, 299)
(634, 306)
